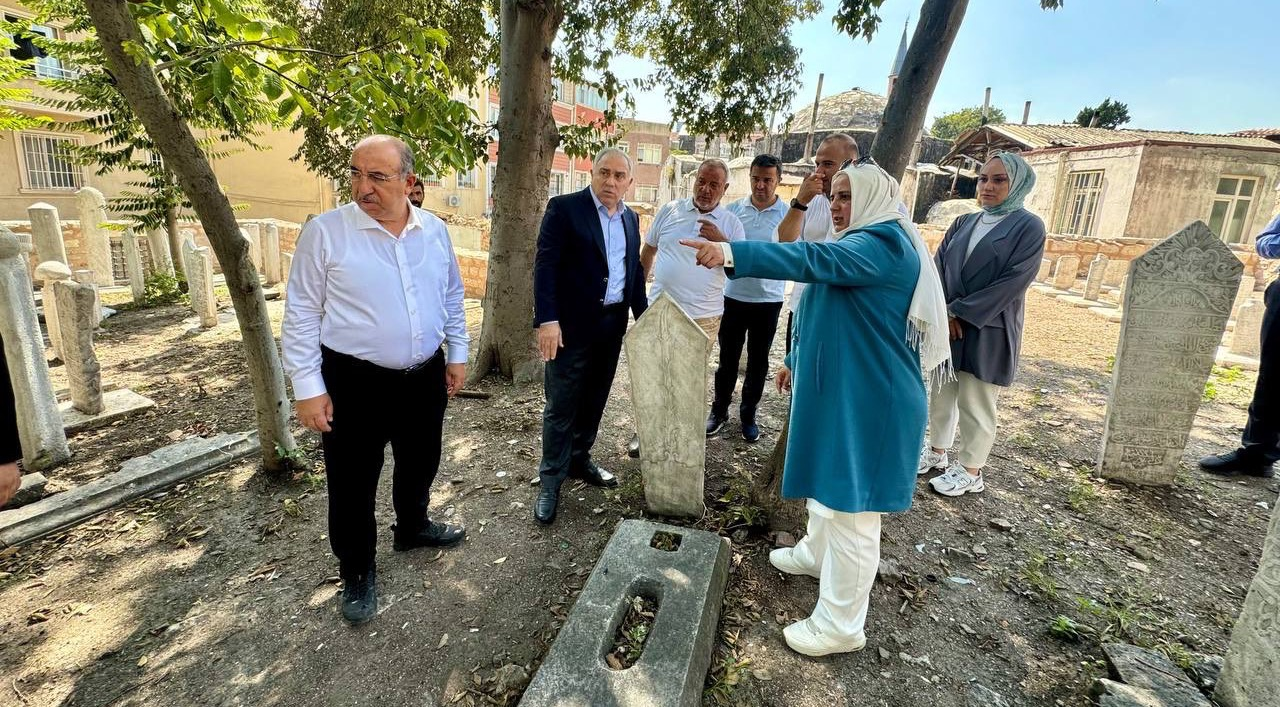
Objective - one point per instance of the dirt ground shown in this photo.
(222, 591)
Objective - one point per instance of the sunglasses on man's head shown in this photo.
(865, 159)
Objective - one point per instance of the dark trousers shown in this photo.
(372, 406)
(577, 383)
(10, 451)
(1262, 433)
(754, 323)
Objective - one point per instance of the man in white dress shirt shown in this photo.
(375, 342)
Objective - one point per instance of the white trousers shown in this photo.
(845, 549)
(969, 405)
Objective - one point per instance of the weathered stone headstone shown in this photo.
(271, 264)
(161, 256)
(75, 317)
(96, 240)
(1249, 673)
(133, 264)
(286, 265)
(1064, 273)
(46, 233)
(186, 236)
(44, 443)
(85, 277)
(1176, 303)
(200, 283)
(1246, 340)
(668, 384)
(47, 273)
(1245, 293)
(1097, 272)
(687, 582)
(253, 233)
(1116, 272)
(1046, 267)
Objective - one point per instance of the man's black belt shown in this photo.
(361, 363)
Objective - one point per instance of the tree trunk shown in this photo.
(909, 101)
(527, 139)
(175, 241)
(784, 514)
(137, 82)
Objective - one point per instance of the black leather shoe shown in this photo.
(595, 475)
(434, 535)
(544, 508)
(360, 598)
(750, 431)
(1237, 462)
(715, 423)
(633, 447)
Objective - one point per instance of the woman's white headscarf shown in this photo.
(874, 198)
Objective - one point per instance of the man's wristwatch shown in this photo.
(795, 204)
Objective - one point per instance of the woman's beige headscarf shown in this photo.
(874, 199)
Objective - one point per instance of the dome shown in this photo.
(852, 109)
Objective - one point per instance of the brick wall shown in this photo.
(474, 265)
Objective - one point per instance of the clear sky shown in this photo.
(1196, 65)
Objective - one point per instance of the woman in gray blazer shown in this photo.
(987, 261)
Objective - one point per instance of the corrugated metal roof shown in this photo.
(1038, 137)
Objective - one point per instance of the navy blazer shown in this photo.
(570, 271)
(986, 292)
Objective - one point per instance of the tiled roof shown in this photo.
(1268, 133)
(1037, 137)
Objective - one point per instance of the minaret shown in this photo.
(898, 60)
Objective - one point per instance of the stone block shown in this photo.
(688, 585)
(1246, 340)
(136, 478)
(1046, 267)
(1251, 669)
(1151, 671)
(31, 490)
(1064, 273)
(116, 404)
(133, 264)
(46, 233)
(97, 241)
(76, 319)
(1097, 273)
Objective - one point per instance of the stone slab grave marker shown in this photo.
(85, 277)
(1176, 303)
(271, 263)
(97, 241)
(75, 317)
(286, 264)
(252, 232)
(200, 283)
(1046, 267)
(1249, 673)
(46, 233)
(161, 255)
(133, 264)
(1115, 273)
(1097, 273)
(668, 382)
(1246, 340)
(1064, 274)
(44, 443)
(688, 585)
(47, 273)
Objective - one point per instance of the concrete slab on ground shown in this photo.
(115, 405)
(688, 585)
(1111, 314)
(137, 477)
(1226, 359)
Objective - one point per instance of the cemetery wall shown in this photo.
(1179, 184)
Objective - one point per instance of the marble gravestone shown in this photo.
(666, 355)
(1064, 274)
(161, 256)
(200, 283)
(252, 232)
(1252, 664)
(96, 240)
(85, 277)
(1097, 274)
(1046, 267)
(1176, 302)
(44, 442)
(1115, 273)
(47, 273)
(75, 317)
(271, 263)
(133, 264)
(46, 233)
(1246, 340)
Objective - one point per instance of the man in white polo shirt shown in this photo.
(698, 291)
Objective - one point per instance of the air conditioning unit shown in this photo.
(454, 200)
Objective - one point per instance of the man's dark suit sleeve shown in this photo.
(546, 264)
(639, 298)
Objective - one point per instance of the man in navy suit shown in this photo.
(586, 276)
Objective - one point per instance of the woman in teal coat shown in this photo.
(871, 320)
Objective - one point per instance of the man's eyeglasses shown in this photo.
(356, 175)
(865, 159)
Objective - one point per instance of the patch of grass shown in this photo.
(1038, 576)
(1065, 628)
(1111, 363)
(725, 675)
(628, 642)
(1044, 471)
(1082, 494)
(1210, 391)
(1176, 652)
(1227, 375)
(1021, 439)
(1121, 615)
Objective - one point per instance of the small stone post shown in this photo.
(75, 316)
(97, 242)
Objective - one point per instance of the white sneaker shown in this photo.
(930, 460)
(784, 558)
(805, 638)
(957, 482)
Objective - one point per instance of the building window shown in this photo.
(725, 150)
(647, 194)
(1080, 208)
(559, 180)
(624, 146)
(558, 91)
(649, 153)
(467, 179)
(590, 97)
(492, 174)
(48, 162)
(430, 179)
(584, 179)
(1230, 210)
(493, 122)
(25, 49)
